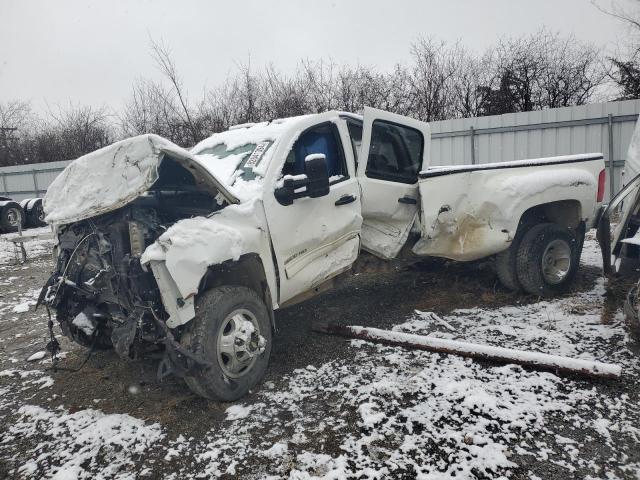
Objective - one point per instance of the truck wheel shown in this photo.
(507, 261)
(11, 217)
(231, 330)
(547, 260)
(35, 213)
(507, 270)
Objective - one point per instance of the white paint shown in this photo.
(472, 214)
(386, 221)
(313, 239)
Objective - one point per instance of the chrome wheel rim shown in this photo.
(239, 343)
(14, 217)
(556, 261)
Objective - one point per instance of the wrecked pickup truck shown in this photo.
(190, 252)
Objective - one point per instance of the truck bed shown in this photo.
(473, 211)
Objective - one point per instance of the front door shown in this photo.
(394, 149)
(315, 239)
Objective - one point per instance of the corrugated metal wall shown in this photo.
(558, 131)
(28, 181)
(498, 138)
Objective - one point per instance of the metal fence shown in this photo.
(600, 127)
(29, 181)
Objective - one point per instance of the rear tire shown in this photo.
(232, 331)
(11, 217)
(507, 270)
(34, 212)
(507, 261)
(548, 259)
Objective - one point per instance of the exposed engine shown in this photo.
(102, 297)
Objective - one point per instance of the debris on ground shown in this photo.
(474, 350)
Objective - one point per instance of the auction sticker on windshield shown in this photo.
(257, 154)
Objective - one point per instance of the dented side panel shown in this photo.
(469, 215)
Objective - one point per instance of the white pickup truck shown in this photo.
(192, 251)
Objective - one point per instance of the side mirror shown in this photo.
(313, 183)
(315, 167)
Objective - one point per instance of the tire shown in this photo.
(227, 309)
(507, 270)
(559, 250)
(35, 213)
(507, 261)
(9, 213)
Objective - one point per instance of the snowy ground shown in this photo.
(9, 254)
(331, 408)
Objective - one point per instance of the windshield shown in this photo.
(231, 164)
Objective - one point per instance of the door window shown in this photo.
(323, 139)
(395, 153)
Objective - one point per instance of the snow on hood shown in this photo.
(109, 178)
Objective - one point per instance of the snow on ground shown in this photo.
(385, 412)
(9, 254)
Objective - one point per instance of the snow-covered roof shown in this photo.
(240, 135)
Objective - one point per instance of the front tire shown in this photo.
(232, 331)
(548, 259)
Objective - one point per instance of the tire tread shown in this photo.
(531, 247)
(194, 338)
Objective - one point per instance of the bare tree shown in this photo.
(167, 67)
(16, 120)
(543, 70)
(625, 72)
(431, 88)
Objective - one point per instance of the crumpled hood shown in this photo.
(109, 178)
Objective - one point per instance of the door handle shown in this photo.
(407, 200)
(343, 200)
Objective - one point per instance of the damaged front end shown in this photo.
(102, 296)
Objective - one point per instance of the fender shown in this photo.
(182, 257)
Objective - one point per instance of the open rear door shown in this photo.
(625, 239)
(627, 230)
(394, 149)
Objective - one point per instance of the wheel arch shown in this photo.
(567, 213)
(248, 271)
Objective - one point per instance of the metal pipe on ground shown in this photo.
(472, 350)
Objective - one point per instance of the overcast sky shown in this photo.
(91, 52)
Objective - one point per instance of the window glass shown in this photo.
(321, 139)
(395, 153)
(228, 164)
